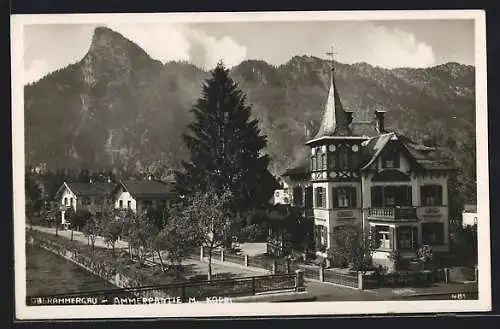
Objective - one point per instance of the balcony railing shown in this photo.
(393, 213)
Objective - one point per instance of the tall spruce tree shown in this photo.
(225, 146)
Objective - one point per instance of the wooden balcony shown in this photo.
(393, 213)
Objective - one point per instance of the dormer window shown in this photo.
(390, 159)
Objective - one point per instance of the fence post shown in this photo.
(287, 266)
(222, 255)
(322, 273)
(246, 260)
(299, 280)
(361, 278)
(476, 274)
(446, 275)
(273, 267)
(201, 253)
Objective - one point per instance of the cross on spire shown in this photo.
(331, 54)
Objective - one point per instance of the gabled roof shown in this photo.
(87, 189)
(427, 158)
(147, 188)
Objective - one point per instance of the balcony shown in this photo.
(393, 213)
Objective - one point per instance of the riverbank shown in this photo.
(47, 273)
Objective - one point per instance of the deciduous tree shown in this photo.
(209, 213)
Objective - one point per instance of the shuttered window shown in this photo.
(431, 195)
(391, 196)
(344, 197)
(320, 197)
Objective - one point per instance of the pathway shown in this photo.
(323, 291)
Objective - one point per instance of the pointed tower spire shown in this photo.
(335, 120)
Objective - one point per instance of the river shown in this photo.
(47, 274)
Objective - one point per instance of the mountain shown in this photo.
(119, 108)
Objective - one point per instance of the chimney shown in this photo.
(379, 117)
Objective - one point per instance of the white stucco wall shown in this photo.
(469, 218)
(125, 197)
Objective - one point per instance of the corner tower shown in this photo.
(335, 175)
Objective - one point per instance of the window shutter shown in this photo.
(323, 197)
(439, 196)
(335, 197)
(409, 196)
(422, 195)
(353, 198)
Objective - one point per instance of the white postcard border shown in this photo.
(24, 312)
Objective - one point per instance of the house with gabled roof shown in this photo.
(373, 178)
(79, 195)
(139, 195)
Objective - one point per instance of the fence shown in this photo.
(344, 279)
(285, 266)
(184, 290)
(189, 291)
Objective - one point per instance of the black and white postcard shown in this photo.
(222, 164)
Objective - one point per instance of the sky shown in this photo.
(389, 44)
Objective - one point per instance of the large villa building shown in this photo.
(373, 178)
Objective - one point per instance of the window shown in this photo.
(344, 197)
(433, 233)
(384, 238)
(475, 220)
(72, 202)
(407, 237)
(85, 201)
(431, 195)
(298, 199)
(313, 163)
(65, 201)
(343, 159)
(120, 204)
(129, 204)
(323, 161)
(391, 196)
(390, 159)
(384, 235)
(100, 200)
(331, 161)
(320, 197)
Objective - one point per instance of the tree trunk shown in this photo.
(209, 277)
(161, 260)
(57, 229)
(71, 233)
